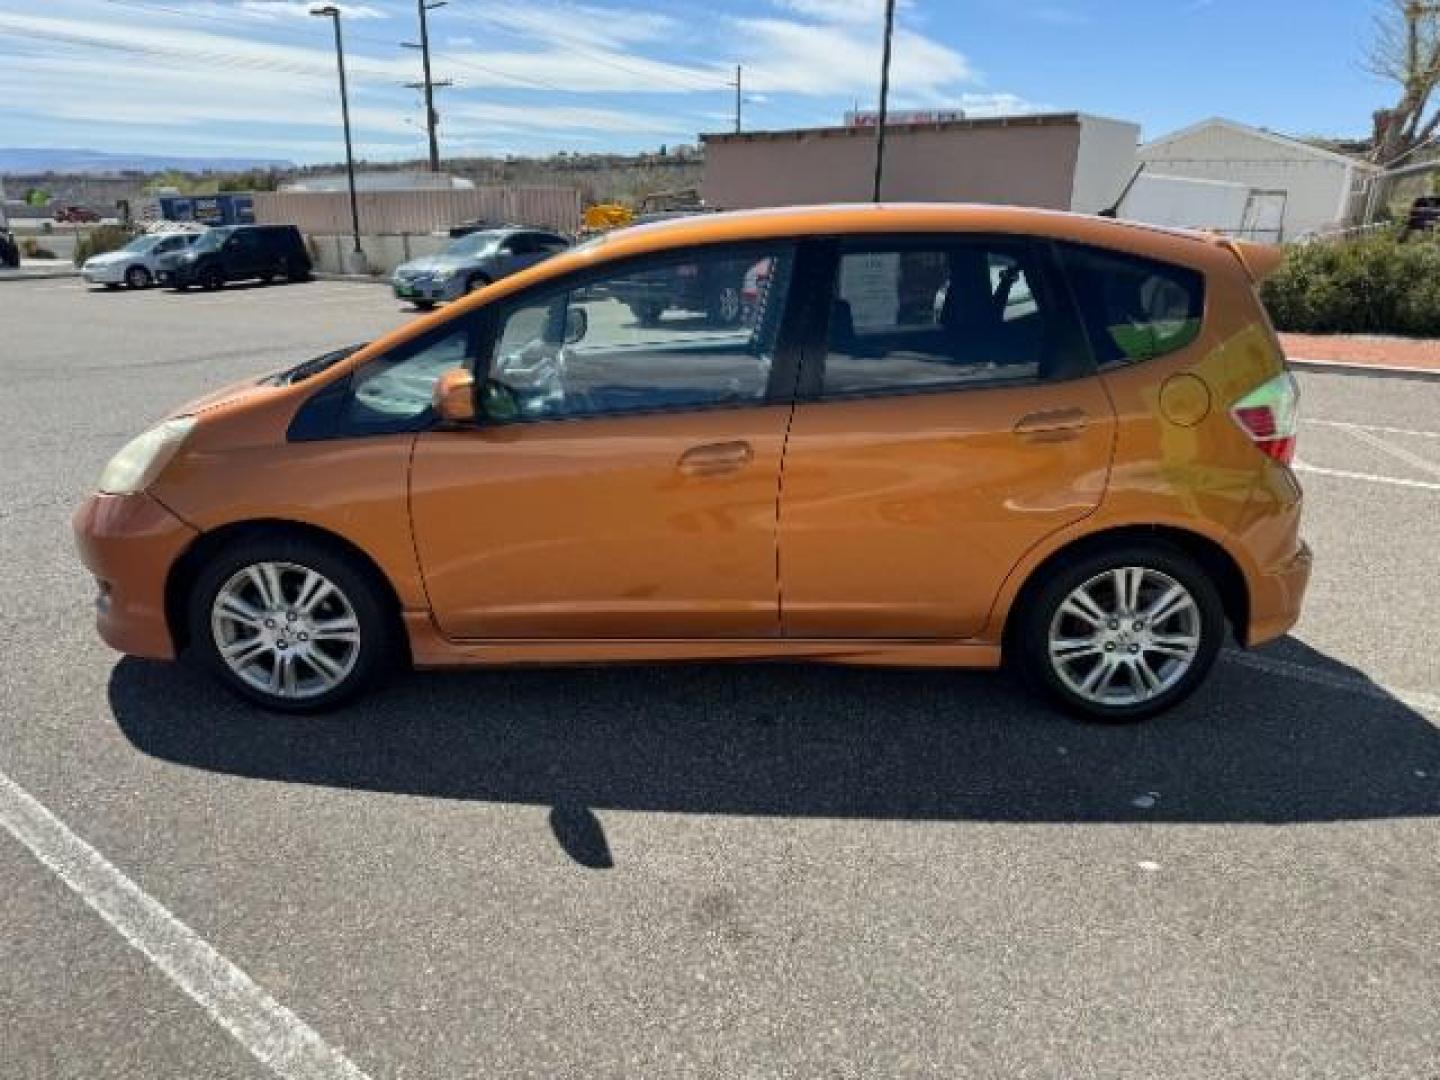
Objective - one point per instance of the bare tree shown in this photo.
(1406, 51)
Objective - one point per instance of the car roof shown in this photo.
(863, 218)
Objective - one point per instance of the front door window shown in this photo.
(662, 336)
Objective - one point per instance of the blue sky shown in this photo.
(256, 77)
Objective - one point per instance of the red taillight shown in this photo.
(1270, 415)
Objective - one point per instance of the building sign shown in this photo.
(209, 209)
(869, 118)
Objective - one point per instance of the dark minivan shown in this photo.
(262, 253)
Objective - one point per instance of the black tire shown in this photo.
(1042, 603)
(380, 642)
(423, 305)
(137, 277)
(111, 285)
(212, 279)
(476, 283)
(296, 271)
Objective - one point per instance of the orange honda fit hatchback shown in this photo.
(905, 435)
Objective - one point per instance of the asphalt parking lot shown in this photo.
(772, 871)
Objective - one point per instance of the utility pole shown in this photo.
(739, 75)
(432, 118)
(884, 100)
(330, 11)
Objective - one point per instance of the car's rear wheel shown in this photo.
(476, 283)
(296, 271)
(291, 624)
(1124, 634)
(137, 277)
(212, 279)
(424, 305)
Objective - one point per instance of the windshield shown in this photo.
(475, 244)
(313, 366)
(212, 240)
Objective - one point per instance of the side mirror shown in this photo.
(498, 402)
(577, 325)
(455, 397)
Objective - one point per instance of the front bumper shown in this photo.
(113, 274)
(428, 289)
(130, 543)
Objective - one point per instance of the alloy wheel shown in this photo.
(285, 630)
(1125, 636)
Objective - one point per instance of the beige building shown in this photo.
(1310, 189)
(1062, 161)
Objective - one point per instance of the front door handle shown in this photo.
(1055, 425)
(715, 459)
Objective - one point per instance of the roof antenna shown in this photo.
(1113, 210)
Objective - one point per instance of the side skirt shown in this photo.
(431, 650)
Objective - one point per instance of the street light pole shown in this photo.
(739, 97)
(330, 11)
(884, 100)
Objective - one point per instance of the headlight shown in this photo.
(141, 460)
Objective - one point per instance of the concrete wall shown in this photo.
(1027, 161)
(324, 213)
(1318, 187)
(382, 253)
(1105, 163)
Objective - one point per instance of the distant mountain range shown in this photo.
(27, 160)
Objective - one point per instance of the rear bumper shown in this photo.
(1276, 598)
(130, 542)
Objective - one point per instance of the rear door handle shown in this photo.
(714, 459)
(1054, 425)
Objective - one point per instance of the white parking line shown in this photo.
(1369, 478)
(272, 1033)
(1414, 699)
(1399, 453)
(1380, 428)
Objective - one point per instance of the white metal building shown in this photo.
(1321, 189)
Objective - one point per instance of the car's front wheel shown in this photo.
(137, 277)
(1122, 635)
(290, 624)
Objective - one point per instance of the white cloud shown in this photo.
(301, 9)
(783, 56)
(838, 11)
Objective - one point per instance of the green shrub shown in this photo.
(99, 240)
(1377, 285)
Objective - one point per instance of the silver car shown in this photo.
(471, 262)
(137, 264)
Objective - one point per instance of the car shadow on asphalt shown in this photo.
(795, 740)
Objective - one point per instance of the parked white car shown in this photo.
(137, 264)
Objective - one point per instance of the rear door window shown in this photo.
(956, 313)
(1134, 308)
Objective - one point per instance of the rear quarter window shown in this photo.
(1134, 308)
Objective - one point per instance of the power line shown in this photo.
(432, 119)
